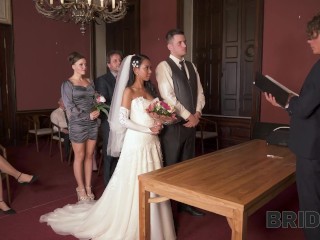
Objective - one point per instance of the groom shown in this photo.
(179, 84)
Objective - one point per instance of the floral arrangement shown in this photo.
(100, 104)
(162, 111)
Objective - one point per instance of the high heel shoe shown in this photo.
(82, 196)
(90, 194)
(10, 211)
(33, 179)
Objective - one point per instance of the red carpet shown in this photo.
(56, 187)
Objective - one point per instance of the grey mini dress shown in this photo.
(79, 103)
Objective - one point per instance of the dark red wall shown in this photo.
(41, 48)
(286, 55)
(157, 17)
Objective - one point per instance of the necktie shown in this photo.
(183, 68)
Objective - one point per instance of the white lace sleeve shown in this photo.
(126, 122)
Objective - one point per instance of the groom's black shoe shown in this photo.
(191, 210)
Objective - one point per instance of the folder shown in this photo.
(269, 85)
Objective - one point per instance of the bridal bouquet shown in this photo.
(162, 111)
(100, 104)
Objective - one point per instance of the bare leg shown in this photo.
(90, 147)
(3, 205)
(6, 167)
(79, 154)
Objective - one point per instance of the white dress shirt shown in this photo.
(166, 88)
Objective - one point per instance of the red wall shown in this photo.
(42, 46)
(286, 55)
(157, 17)
(41, 49)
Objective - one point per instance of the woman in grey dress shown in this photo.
(78, 96)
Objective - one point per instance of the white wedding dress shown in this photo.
(115, 216)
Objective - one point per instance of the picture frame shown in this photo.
(5, 11)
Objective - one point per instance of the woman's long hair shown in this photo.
(147, 84)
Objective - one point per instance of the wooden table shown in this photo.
(232, 182)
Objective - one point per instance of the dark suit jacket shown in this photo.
(105, 86)
(305, 117)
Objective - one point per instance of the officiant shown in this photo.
(304, 139)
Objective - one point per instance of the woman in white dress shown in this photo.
(115, 215)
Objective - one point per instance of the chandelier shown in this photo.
(82, 11)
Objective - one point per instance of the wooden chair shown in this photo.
(5, 176)
(56, 136)
(207, 129)
(36, 129)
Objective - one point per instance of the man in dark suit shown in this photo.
(105, 86)
(179, 84)
(304, 138)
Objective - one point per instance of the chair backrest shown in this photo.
(207, 125)
(206, 129)
(56, 132)
(33, 122)
(261, 130)
(38, 121)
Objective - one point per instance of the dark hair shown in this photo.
(147, 84)
(74, 57)
(113, 52)
(171, 33)
(313, 27)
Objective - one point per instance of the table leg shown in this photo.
(144, 213)
(238, 225)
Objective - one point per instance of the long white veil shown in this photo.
(117, 131)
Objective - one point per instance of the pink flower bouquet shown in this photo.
(100, 104)
(162, 111)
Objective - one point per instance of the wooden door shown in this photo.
(7, 96)
(124, 35)
(226, 52)
(207, 49)
(238, 55)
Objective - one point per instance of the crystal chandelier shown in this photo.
(82, 11)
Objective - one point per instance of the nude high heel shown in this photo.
(89, 193)
(82, 196)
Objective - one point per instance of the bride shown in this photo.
(115, 215)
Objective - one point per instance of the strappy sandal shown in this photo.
(82, 196)
(89, 193)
